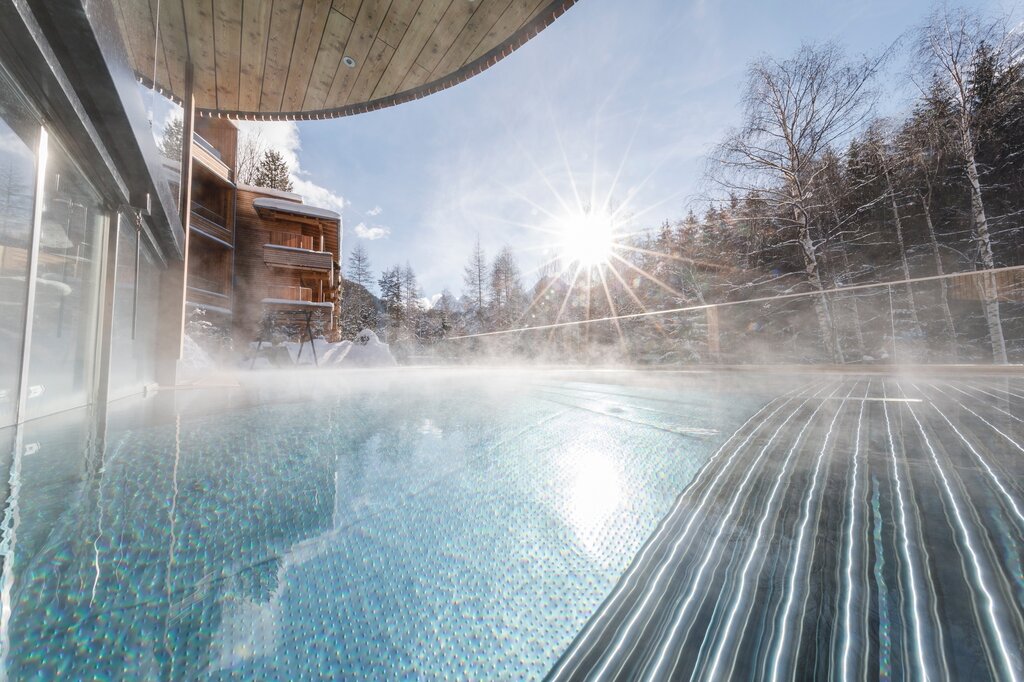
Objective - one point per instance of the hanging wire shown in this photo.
(760, 299)
(156, 46)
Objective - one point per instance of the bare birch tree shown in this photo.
(923, 145)
(251, 149)
(947, 46)
(794, 110)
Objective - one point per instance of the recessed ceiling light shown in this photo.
(349, 62)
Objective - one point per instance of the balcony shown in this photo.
(210, 223)
(209, 157)
(290, 293)
(208, 293)
(277, 256)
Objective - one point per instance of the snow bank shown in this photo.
(334, 353)
(321, 345)
(194, 360)
(367, 351)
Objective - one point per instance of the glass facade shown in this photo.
(54, 232)
(68, 278)
(19, 139)
(133, 342)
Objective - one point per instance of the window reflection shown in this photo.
(19, 136)
(132, 361)
(67, 289)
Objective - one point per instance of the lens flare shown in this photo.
(587, 238)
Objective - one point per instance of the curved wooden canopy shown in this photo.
(295, 59)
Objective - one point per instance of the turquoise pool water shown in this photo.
(420, 525)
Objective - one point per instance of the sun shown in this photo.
(587, 238)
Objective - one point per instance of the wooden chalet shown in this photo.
(254, 250)
(287, 256)
(273, 61)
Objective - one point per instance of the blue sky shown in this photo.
(637, 90)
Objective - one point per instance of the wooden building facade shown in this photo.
(285, 251)
(253, 249)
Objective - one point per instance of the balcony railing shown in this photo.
(210, 158)
(290, 293)
(279, 256)
(205, 144)
(197, 281)
(199, 293)
(210, 222)
(294, 240)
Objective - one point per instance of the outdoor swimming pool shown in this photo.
(425, 525)
(523, 524)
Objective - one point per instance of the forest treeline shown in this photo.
(812, 192)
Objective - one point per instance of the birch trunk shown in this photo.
(820, 304)
(903, 251)
(926, 203)
(981, 236)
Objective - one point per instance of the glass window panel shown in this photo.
(66, 308)
(133, 361)
(123, 370)
(146, 323)
(19, 138)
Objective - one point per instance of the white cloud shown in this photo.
(375, 211)
(372, 232)
(284, 137)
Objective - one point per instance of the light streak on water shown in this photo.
(884, 637)
(652, 590)
(629, 577)
(753, 554)
(916, 616)
(845, 671)
(872, 542)
(1010, 663)
(996, 479)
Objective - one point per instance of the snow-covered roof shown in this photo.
(272, 192)
(292, 207)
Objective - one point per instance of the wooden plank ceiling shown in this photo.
(295, 59)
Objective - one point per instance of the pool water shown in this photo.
(416, 526)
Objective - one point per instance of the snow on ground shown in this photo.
(365, 351)
(368, 351)
(195, 361)
(334, 353)
(321, 345)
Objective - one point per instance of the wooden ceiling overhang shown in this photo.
(312, 59)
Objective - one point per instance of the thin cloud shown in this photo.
(371, 232)
(375, 211)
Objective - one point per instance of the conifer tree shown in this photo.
(273, 172)
(359, 266)
(391, 294)
(170, 142)
(475, 279)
